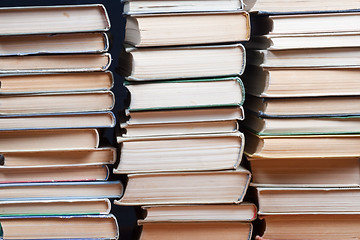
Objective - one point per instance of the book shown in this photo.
(41, 103)
(196, 230)
(60, 190)
(317, 40)
(50, 174)
(304, 82)
(139, 64)
(54, 44)
(204, 187)
(57, 121)
(55, 207)
(319, 23)
(198, 93)
(165, 129)
(306, 58)
(53, 19)
(187, 28)
(55, 139)
(305, 172)
(58, 158)
(69, 227)
(333, 106)
(244, 212)
(55, 82)
(171, 6)
(302, 146)
(197, 152)
(184, 115)
(55, 63)
(312, 226)
(281, 6)
(277, 200)
(294, 125)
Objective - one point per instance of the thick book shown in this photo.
(144, 64)
(301, 24)
(304, 82)
(302, 146)
(60, 190)
(55, 207)
(55, 63)
(204, 187)
(174, 6)
(41, 103)
(53, 19)
(185, 128)
(343, 226)
(196, 152)
(58, 158)
(244, 212)
(216, 92)
(57, 121)
(285, 6)
(54, 44)
(149, 30)
(310, 172)
(277, 200)
(309, 41)
(51, 174)
(55, 82)
(333, 106)
(54, 139)
(306, 58)
(184, 115)
(196, 230)
(302, 126)
(55, 227)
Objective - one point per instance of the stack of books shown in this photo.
(54, 96)
(302, 126)
(181, 147)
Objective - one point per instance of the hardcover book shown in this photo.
(302, 126)
(174, 6)
(42, 103)
(51, 174)
(58, 158)
(144, 64)
(289, 200)
(186, 188)
(197, 152)
(284, 6)
(55, 207)
(57, 121)
(217, 92)
(333, 106)
(54, 139)
(53, 19)
(56, 82)
(21, 45)
(60, 190)
(312, 226)
(302, 146)
(305, 172)
(51, 227)
(306, 58)
(184, 115)
(55, 63)
(187, 28)
(304, 82)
